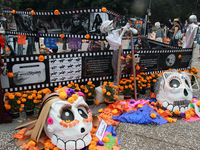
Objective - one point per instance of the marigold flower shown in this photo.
(100, 110)
(115, 111)
(104, 90)
(179, 56)
(137, 67)
(105, 117)
(31, 143)
(122, 57)
(170, 120)
(187, 116)
(153, 115)
(11, 96)
(32, 12)
(62, 95)
(20, 109)
(18, 102)
(10, 74)
(7, 107)
(87, 36)
(103, 9)
(41, 58)
(106, 139)
(30, 97)
(198, 103)
(56, 12)
(108, 93)
(116, 97)
(75, 96)
(96, 102)
(62, 35)
(71, 100)
(177, 112)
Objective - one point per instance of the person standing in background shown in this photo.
(31, 40)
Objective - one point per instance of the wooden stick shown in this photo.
(133, 65)
(118, 65)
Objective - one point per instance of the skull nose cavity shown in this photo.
(185, 92)
(82, 130)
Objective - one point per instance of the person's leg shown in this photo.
(175, 42)
(64, 47)
(171, 41)
(20, 49)
(28, 50)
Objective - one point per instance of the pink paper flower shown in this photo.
(80, 94)
(50, 121)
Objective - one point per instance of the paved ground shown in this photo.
(177, 136)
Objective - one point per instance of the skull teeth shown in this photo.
(172, 107)
(71, 145)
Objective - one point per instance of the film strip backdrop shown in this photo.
(153, 43)
(71, 23)
(159, 60)
(56, 69)
(62, 68)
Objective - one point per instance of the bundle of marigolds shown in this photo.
(74, 86)
(88, 90)
(13, 102)
(109, 91)
(126, 87)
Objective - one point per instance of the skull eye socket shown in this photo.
(82, 113)
(187, 83)
(67, 115)
(174, 83)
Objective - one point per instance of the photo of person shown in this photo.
(78, 24)
(96, 19)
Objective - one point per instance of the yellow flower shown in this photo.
(11, 96)
(7, 94)
(116, 97)
(69, 85)
(89, 94)
(71, 100)
(75, 96)
(30, 97)
(104, 90)
(108, 93)
(177, 112)
(106, 139)
(100, 110)
(153, 115)
(62, 95)
(170, 120)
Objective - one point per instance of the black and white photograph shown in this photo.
(96, 19)
(77, 24)
(29, 73)
(64, 69)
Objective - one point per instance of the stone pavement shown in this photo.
(177, 136)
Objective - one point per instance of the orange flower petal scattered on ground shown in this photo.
(106, 139)
(153, 115)
(100, 110)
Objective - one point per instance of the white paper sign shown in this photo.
(101, 130)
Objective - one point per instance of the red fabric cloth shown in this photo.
(2, 42)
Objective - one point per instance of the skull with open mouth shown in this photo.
(68, 125)
(174, 90)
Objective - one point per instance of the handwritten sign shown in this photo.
(101, 130)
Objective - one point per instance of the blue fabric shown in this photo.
(50, 43)
(151, 100)
(20, 49)
(112, 130)
(141, 116)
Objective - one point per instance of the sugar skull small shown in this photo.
(69, 123)
(174, 90)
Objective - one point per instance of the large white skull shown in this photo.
(174, 90)
(69, 125)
